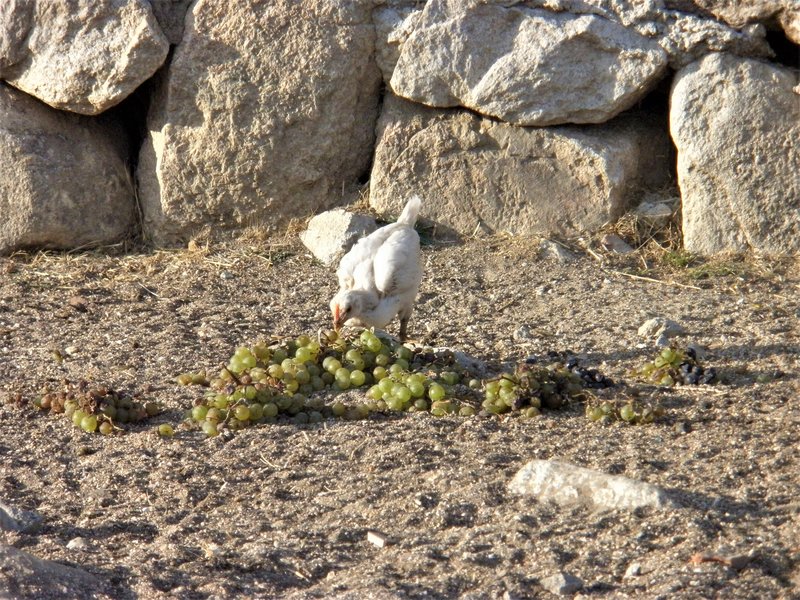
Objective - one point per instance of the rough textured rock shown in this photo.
(562, 584)
(684, 37)
(330, 235)
(658, 326)
(24, 575)
(525, 66)
(393, 25)
(739, 14)
(736, 123)
(478, 175)
(568, 485)
(16, 519)
(64, 182)
(83, 56)
(265, 114)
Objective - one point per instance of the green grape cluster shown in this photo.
(630, 412)
(291, 379)
(96, 408)
(672, 366)
(268, 381)
(532, 387)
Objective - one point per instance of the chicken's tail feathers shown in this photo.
(411, 211)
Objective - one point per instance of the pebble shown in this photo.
(227, 275)
(78, 543)
(662, 341)
(557, 251)
(682, 427)
(658, 326)
(562, 583)
(376, 539)
(633, 570)
(524, 333)
(616, 244)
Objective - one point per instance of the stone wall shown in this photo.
(542, 116)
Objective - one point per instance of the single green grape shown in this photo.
(89, 423)
(627, 413)
(199, 412)
(242, 412)
(77, 417)
(331, 364)
(165, 430)
(401, 392)
(210, 428)
(436, 392)
(357, 378)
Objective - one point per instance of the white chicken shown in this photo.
(380, 276)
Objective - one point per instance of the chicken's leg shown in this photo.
(403, 328)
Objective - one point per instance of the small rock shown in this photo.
(556, 251)
(737, 562)
(524, 333)
(616, 244)
(633, 570)
(227, 275)
(567, 484)
(682, 427)
(700, 352)
(331, 234)
(658, 326)
(562, 583)
(426, 500)
(377, 539)
(71, 350)
(16, 519)
(657, 213)
(662, 341)
(78, 543)
(78, 303)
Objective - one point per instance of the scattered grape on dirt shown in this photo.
(93, 407)
(673, 366)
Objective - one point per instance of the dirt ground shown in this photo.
(283, 510)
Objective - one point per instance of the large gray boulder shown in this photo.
(736, 124)
(266, 113)
(82, 56)
(525, 66)
(480, 175)
(64, 181)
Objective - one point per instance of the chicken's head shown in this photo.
(343, 307)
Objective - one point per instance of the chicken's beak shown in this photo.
(337, 318)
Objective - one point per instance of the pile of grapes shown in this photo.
(630, 412)
(672, 366)
(95, 407)
(263, 383)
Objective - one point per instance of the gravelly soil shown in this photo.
(282, 511)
